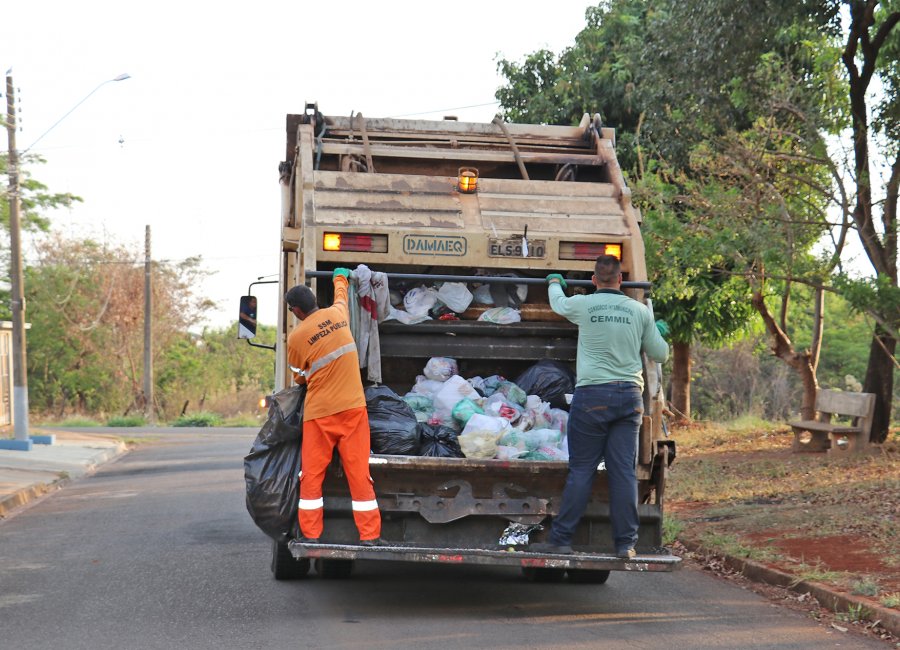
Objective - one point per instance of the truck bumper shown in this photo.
(511, 558)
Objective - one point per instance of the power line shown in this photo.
(454, 108)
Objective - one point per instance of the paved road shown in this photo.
(156, 550)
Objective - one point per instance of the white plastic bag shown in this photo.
(441, 368)
(405, 317)
(425, 386)
(454, 389)
(455, 295)
(482, 295)
(419, 300)
(487, 423)
(501, 315)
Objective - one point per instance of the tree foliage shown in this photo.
(86, 344)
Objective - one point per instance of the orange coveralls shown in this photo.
(334, 414)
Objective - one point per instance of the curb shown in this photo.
(889, 619)
(22, 497)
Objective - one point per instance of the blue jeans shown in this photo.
(604, 421)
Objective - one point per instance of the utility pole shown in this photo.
(17, 296)
(149, 410)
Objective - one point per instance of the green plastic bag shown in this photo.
(465, 409)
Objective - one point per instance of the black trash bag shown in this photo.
(392, 423)
(550, 380)
(272, 468)
(439, 441)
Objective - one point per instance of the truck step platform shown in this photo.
(663, 561)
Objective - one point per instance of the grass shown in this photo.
(244, 420)
(672, 528)
(199, 419)
(865, 588)
(891, 600)
(737, 488)
(127, 421)
(855, 614)
(816, 573)
(75, 422)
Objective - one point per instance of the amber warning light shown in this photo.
(467, 180)
(339, 242)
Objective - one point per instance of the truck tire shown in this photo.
(535, 574)
(588, 576)
(334, 569)
(285, 566)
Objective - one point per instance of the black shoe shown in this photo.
(307, 540)
(626, 554)
(372, 542)
(549, 547)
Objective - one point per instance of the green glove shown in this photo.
(557, 277)
(341, 271)
(663, 328)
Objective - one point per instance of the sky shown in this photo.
(190, 143)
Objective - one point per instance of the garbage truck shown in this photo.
(496, 205)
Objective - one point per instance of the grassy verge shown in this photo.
(738, 489)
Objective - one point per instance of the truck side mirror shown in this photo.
(247, 318)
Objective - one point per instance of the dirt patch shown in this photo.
(838, 553)
(828, 519)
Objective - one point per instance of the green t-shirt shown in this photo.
(613, 330)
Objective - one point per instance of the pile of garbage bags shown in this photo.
(442, 416)
(449, 299)
(446, 415)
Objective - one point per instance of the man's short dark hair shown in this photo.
(301, 296)
(607, 268)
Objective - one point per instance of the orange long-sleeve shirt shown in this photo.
(323, 347)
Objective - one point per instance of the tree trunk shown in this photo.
(681, 380)
(802, 362)
(880, 381)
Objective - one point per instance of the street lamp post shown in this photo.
(22, 441)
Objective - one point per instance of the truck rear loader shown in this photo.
(491, 203)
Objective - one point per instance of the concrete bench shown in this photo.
(823, 435)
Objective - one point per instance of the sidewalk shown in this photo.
(27, 475)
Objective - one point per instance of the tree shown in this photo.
(872, 51)
(86, 342)
(35, 201)
(631, 65)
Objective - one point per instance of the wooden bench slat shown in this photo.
(813, 425)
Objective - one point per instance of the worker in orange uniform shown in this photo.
(321, 352)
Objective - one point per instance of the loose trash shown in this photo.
(518, 534)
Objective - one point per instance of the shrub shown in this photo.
(199, 419)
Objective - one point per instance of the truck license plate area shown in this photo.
(497, 247)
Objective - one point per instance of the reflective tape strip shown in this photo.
(311, 504)
(318, 364)
(363, 506)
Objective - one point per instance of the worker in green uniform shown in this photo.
(607, 406)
